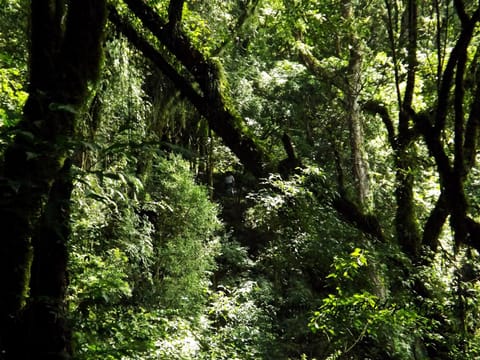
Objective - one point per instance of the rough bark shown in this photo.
(44, 324)
(353, 112)
(354, 119)
(64, 56)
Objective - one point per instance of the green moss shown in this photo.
(26, 270)
(230, 107)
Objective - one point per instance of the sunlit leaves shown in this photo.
(352, 313)
(12, 96)
(99, 280)
(156, 253)
(242, 327)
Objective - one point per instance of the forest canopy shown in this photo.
(239, 179)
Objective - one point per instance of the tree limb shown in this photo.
(175, 9)
(375, 107)
(435, 222)
(289, 165)
(459, 116)
(213, 103)
(471, 130)
(393, 48)
(184, 86)
(412, 66)
(447, 78)
(367, 223)
(462, 14)
(314, 66)
(175, 41)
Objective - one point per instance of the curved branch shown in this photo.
(375, 107)
(367, 223)
(446, 84)
(434, 145)
(289, 165)
(435, 222)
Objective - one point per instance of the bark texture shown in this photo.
(65, 53)
(353, 113)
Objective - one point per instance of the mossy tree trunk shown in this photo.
(35, 188)
(352, 91)
(44, 325)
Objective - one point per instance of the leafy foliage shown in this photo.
(353, 319)
(13, 61)
(164, 265)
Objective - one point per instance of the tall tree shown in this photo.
(65, 52)
(353, 110)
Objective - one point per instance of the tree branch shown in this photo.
(471, 130)
(213, 103)
(375, 107)
(288, 166)
(183, 85)
(314, 66)
(434, 145)
(462, 14)
(447, 78)
(412, 65)
(175, 41)
(393, 49)
(435, 222)
(366, 223)
(459, 117)
(175, 9)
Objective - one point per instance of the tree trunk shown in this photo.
(354, 118)
(407, 227)
(44, 322)
(64, 57)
